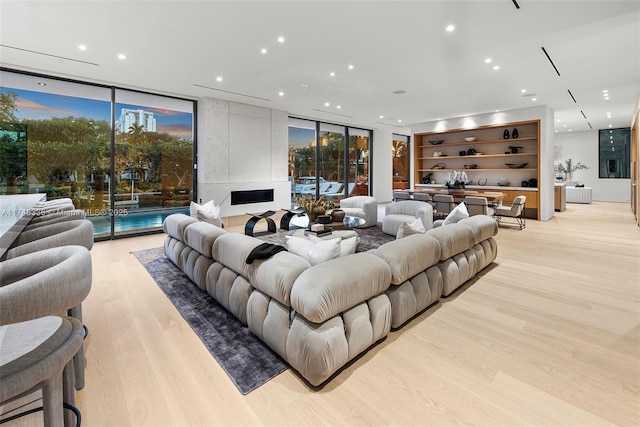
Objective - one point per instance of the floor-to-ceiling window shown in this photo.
(126, 164)
(400, 159)
(328, 160)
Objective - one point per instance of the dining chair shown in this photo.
(478, 206)
(444, 203)
(515, 211)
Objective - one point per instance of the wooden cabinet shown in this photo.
(560, 197)
(489, 159)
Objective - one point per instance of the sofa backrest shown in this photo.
(409, 256)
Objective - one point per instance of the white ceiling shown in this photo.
(180, 47)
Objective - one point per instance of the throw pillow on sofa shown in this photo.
(317, 250)
(409, 228)
(207, 212)
(458, 213)
(314, 252)
(347, 246)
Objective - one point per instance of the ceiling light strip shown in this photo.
(549, 58)
(572, 97)
(233, 93)
(515, 3)
(390, 124)
(583, 115)
(590, 127)
(50, 55)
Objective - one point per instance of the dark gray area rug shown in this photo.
(247, 360)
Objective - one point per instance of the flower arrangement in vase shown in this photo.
(456, 181)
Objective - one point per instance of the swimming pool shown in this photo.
(133, 222)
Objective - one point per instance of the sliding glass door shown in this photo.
(127, 164)
(328, 160)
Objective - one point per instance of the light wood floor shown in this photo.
(548, 336)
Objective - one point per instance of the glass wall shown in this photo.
(615, 152)
(126, 172)
(343, 163)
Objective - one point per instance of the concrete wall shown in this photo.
(583, 147)
(542, 113)
(241, 147)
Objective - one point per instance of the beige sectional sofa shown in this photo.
(320, 317)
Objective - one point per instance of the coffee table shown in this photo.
(347, 223)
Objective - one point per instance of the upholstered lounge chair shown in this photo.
(395, 214)
(365, 207)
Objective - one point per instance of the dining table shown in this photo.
(16, 210)
(458, 196)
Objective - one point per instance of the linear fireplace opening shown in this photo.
(251, 196)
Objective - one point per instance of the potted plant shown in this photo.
(313, 207)
(568, 168)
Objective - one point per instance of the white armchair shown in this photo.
(365, 207)
(515, 211)
(395, 214)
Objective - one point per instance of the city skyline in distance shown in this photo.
(33, 105)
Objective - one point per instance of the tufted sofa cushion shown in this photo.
(324, 290)
(409, 256)
(201, 235)
(453, 239)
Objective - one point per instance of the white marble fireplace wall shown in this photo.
(241, 147)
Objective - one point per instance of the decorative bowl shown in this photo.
(470, 166)
(479, 154)
(436, 142)
(516, 165)
(470, 138)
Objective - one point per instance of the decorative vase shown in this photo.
(314, 212)
(514, 134)
(337, 215)
(567, 176)
(505, 134)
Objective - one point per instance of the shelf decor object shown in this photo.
(436, 141)
(514, 134)
(516, 165)
(470, 139)
(505, 134)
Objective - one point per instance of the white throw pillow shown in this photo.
(206, 216)
(314, 252)
(458, 213)
(347, 245)
(210, 208)
(409, 228)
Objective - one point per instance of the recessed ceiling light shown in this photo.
(564, 126)
(534, 99)
(332, 74)
(304, 86)
(523, 90)
(280, 39)
(608, 114)
(82, 47)
(570, 130)
(606, 98)
(605, 91)
(488, 61)
(338, 106)
(450, 28)
(122, 56)
(281, 93)
(496, 67)
(381, 116)
(41, 84)
(263, 51)
(350, 67)
(326, 104)
(610, 126)
(218, 79)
